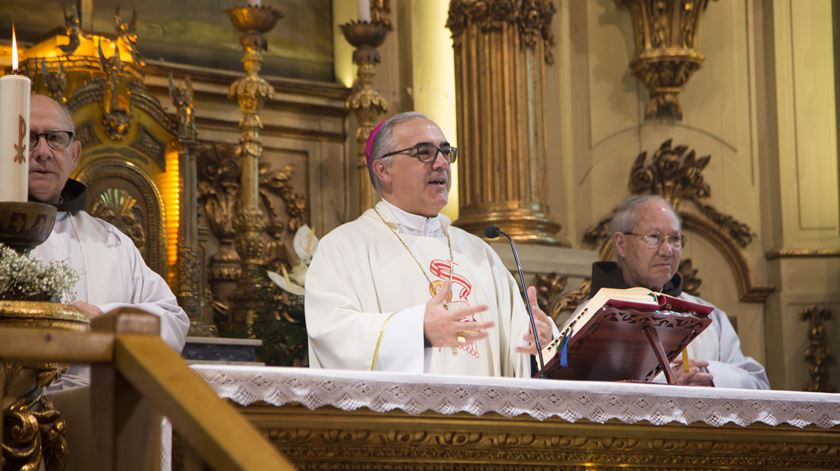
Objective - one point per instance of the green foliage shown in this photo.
(280, 324)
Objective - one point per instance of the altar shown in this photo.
(328, 419)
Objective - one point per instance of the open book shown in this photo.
(625, 334)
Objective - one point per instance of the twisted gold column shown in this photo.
(250, 92)
(501, 48)
(365, 102)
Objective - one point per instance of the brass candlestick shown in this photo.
(250, 92)
(367, 104)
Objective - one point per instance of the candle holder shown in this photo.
(250, 92)
(25, 225)
(41, 428)
(365, 102)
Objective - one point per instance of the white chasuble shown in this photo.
(366, 293)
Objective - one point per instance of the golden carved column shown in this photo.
(365, 102)
(250, 92)
(501, 49)
(190, 282)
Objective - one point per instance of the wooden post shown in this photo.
(126, 430)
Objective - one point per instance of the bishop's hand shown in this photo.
(544, 327)
(444, 328)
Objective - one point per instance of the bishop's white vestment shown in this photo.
(366, 293)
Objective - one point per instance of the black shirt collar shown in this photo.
(609, 275)
(73, 197)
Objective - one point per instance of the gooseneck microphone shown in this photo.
(492, 232)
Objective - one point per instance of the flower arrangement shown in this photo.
(26, 278)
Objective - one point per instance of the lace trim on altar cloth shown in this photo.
(541, 399)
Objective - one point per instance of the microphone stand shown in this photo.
(492, 232)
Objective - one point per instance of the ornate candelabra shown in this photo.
(665, 32)
(250, 92)
(365, 102)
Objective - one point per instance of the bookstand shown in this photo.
(626, 344)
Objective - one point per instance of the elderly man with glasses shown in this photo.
(111, 270)
(648, 243)
(401, 289)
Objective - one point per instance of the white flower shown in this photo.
(304, 243)
(26, 278)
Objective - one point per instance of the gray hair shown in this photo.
(626, 214)
(384, 143)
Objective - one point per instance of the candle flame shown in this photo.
(14, 50)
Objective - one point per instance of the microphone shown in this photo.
(492, 232)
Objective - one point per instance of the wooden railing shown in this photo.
(134, 377)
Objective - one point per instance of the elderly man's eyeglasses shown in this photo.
(57, 140)
(654, 239)
(426, 152)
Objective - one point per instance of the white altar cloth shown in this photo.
(541, 399)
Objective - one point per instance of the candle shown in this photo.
(364, 10)
(254, 3)
(14, 132)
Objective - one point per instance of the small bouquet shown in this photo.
(27, 278)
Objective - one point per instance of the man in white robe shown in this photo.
(112, 273)
(648, 243)
(381, 292)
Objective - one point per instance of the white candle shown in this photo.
(14, 132)
(364, 10)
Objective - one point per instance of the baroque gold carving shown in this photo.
(116, 103)
(549, 287)
(567, 303)
(531, 18)
(117, 173)
(218, 193)
(55, 82)
(677, 175)
(817, 356)
(331, 439)
(665, 34)
(73, 28)
(33, 430)
(120, 209)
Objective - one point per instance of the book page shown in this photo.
(637, 295)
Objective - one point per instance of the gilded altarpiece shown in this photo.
(159, 146)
